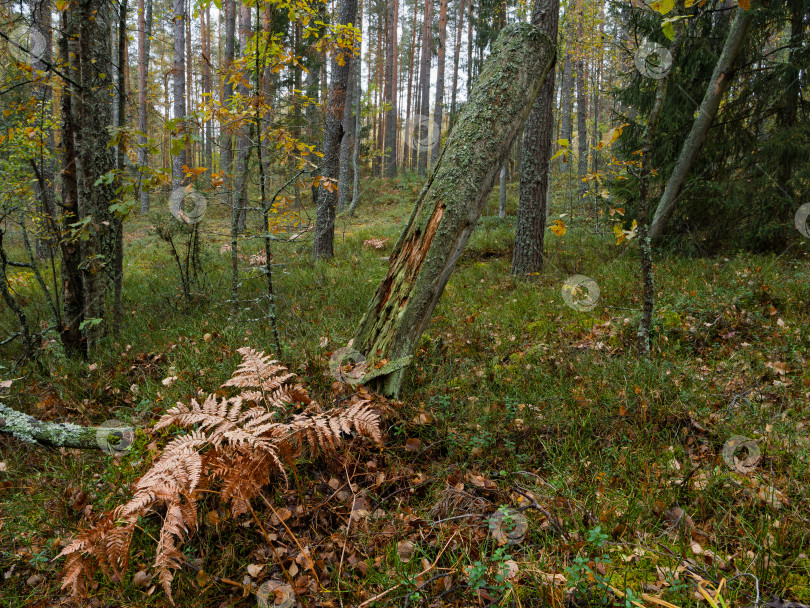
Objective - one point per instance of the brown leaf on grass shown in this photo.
(413, 444)
(405, 549)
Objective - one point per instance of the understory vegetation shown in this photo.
(533, 458)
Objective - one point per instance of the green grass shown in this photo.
(508, 384)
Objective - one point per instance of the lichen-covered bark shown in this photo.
(59, 434)
(452, 199)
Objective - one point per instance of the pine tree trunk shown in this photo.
(438, 112)
(407, 150)
(115, 268)
(323, 246)
(527, 257)
(205, 23)
(451, 202)
(90, 51)
(143, 73)
(179, 86)
(719, 83)
(72, 279)
(456, 54)
(391, 92)
(424, 77)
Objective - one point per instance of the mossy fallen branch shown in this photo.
(62, 434)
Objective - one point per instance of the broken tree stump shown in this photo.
(450, 203)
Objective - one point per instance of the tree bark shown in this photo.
(391, 92)
(719, 83)
(407, 151)
(41, 25)
(179, 88)
(527, 257)
(323, 246)
(226, 134)
(582, 127)
(424, 103)
(243, 138)
(456, 54)
(439, 107)
(451, 202)
(358, 122)
(143, 74)
(205, 27)
(347, 143)
(90, 50)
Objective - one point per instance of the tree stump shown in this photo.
(450, 203)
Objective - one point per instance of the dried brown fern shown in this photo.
(233, 447)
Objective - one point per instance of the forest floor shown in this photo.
(613, 464)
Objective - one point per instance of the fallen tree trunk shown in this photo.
(451, 202)
(63, 434)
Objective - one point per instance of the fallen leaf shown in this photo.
(405, 549)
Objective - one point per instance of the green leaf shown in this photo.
(669, 31)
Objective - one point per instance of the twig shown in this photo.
(425, 571)
(549, 516)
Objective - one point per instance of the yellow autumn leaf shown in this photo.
(558, 227)
(745, 4)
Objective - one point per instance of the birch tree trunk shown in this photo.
(439, 107)
(451, 202)
(358, 122)
(527, 257)
(243, 135)
(323, 246)
(719, 83)
(226, 134)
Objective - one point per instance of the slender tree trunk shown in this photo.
(469, 48)
(41, 26)
(451, 201)
(243, 136)
(502, 194)
(439, 107)
(391, 92)
(527, 257)
(143, 74)
(582, 126)
(407, 147)
(456, 54)
(424, 103)
(115, 268)
(179, 86)
(191, 155)
(719, 83)
(347, 143)
(226, 132)
(205, 23)
(358, 122)
(566, 90)
(323, 246)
